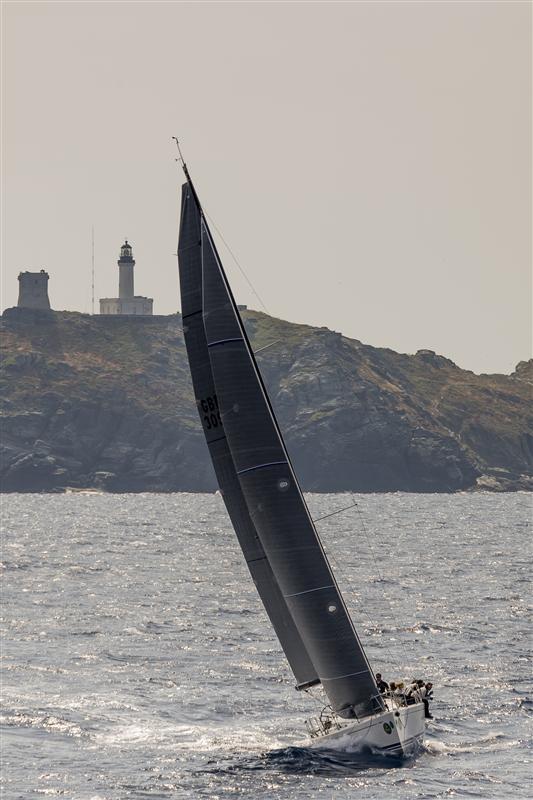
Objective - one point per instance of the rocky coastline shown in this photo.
(94, 402)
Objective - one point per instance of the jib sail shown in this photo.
(190, 269)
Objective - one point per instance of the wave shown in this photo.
(45, 722)
(187, 737)
(303, 760)
(493, 741)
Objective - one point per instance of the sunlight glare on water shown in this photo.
(138, 662)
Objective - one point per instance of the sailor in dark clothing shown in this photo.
(382, 685)
(427, 695)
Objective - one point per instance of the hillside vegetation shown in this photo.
(91, 401)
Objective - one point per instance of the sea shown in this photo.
(138, 662)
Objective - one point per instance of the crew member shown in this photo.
(426, 693)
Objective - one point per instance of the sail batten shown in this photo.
(306, 591)
(341, 677)
(191, 288)
(225, 341)
(260, 466)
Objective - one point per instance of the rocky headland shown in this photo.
(103, 402)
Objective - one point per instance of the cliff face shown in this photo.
(102, 402)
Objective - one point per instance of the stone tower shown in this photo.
(33, 290)
(126, 263)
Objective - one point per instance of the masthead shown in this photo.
(180, 159)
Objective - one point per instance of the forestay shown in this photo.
(190, 268)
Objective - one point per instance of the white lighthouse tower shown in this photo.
(126, 263)
(127, 301)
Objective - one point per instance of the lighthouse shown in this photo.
(127, 302)
(126, 263)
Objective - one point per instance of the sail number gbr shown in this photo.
(210, 412)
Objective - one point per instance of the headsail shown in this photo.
(276, 504)
(190, 267)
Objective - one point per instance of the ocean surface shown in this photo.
(138, 663)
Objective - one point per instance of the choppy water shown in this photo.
(137, 662)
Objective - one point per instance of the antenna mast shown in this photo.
(92, 270)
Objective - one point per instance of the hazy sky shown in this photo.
(368, 163)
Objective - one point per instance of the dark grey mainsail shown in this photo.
(276, 504)
(190, 268)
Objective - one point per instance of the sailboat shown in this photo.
(269, 514)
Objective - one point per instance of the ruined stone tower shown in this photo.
(33, 290)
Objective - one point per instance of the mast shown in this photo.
(92, 270)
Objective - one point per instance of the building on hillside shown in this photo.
(126, 302)
(33, 290)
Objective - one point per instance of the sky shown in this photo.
(368, 163)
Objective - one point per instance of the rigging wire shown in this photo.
(320, 702)
(346, 580)
(380, 577)
(181, 162)
(234, 257)
(266, 346)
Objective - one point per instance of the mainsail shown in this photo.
(190, 268)
(259, 478)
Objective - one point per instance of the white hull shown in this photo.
(396, 732)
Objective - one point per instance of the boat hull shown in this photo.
(395, 732)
